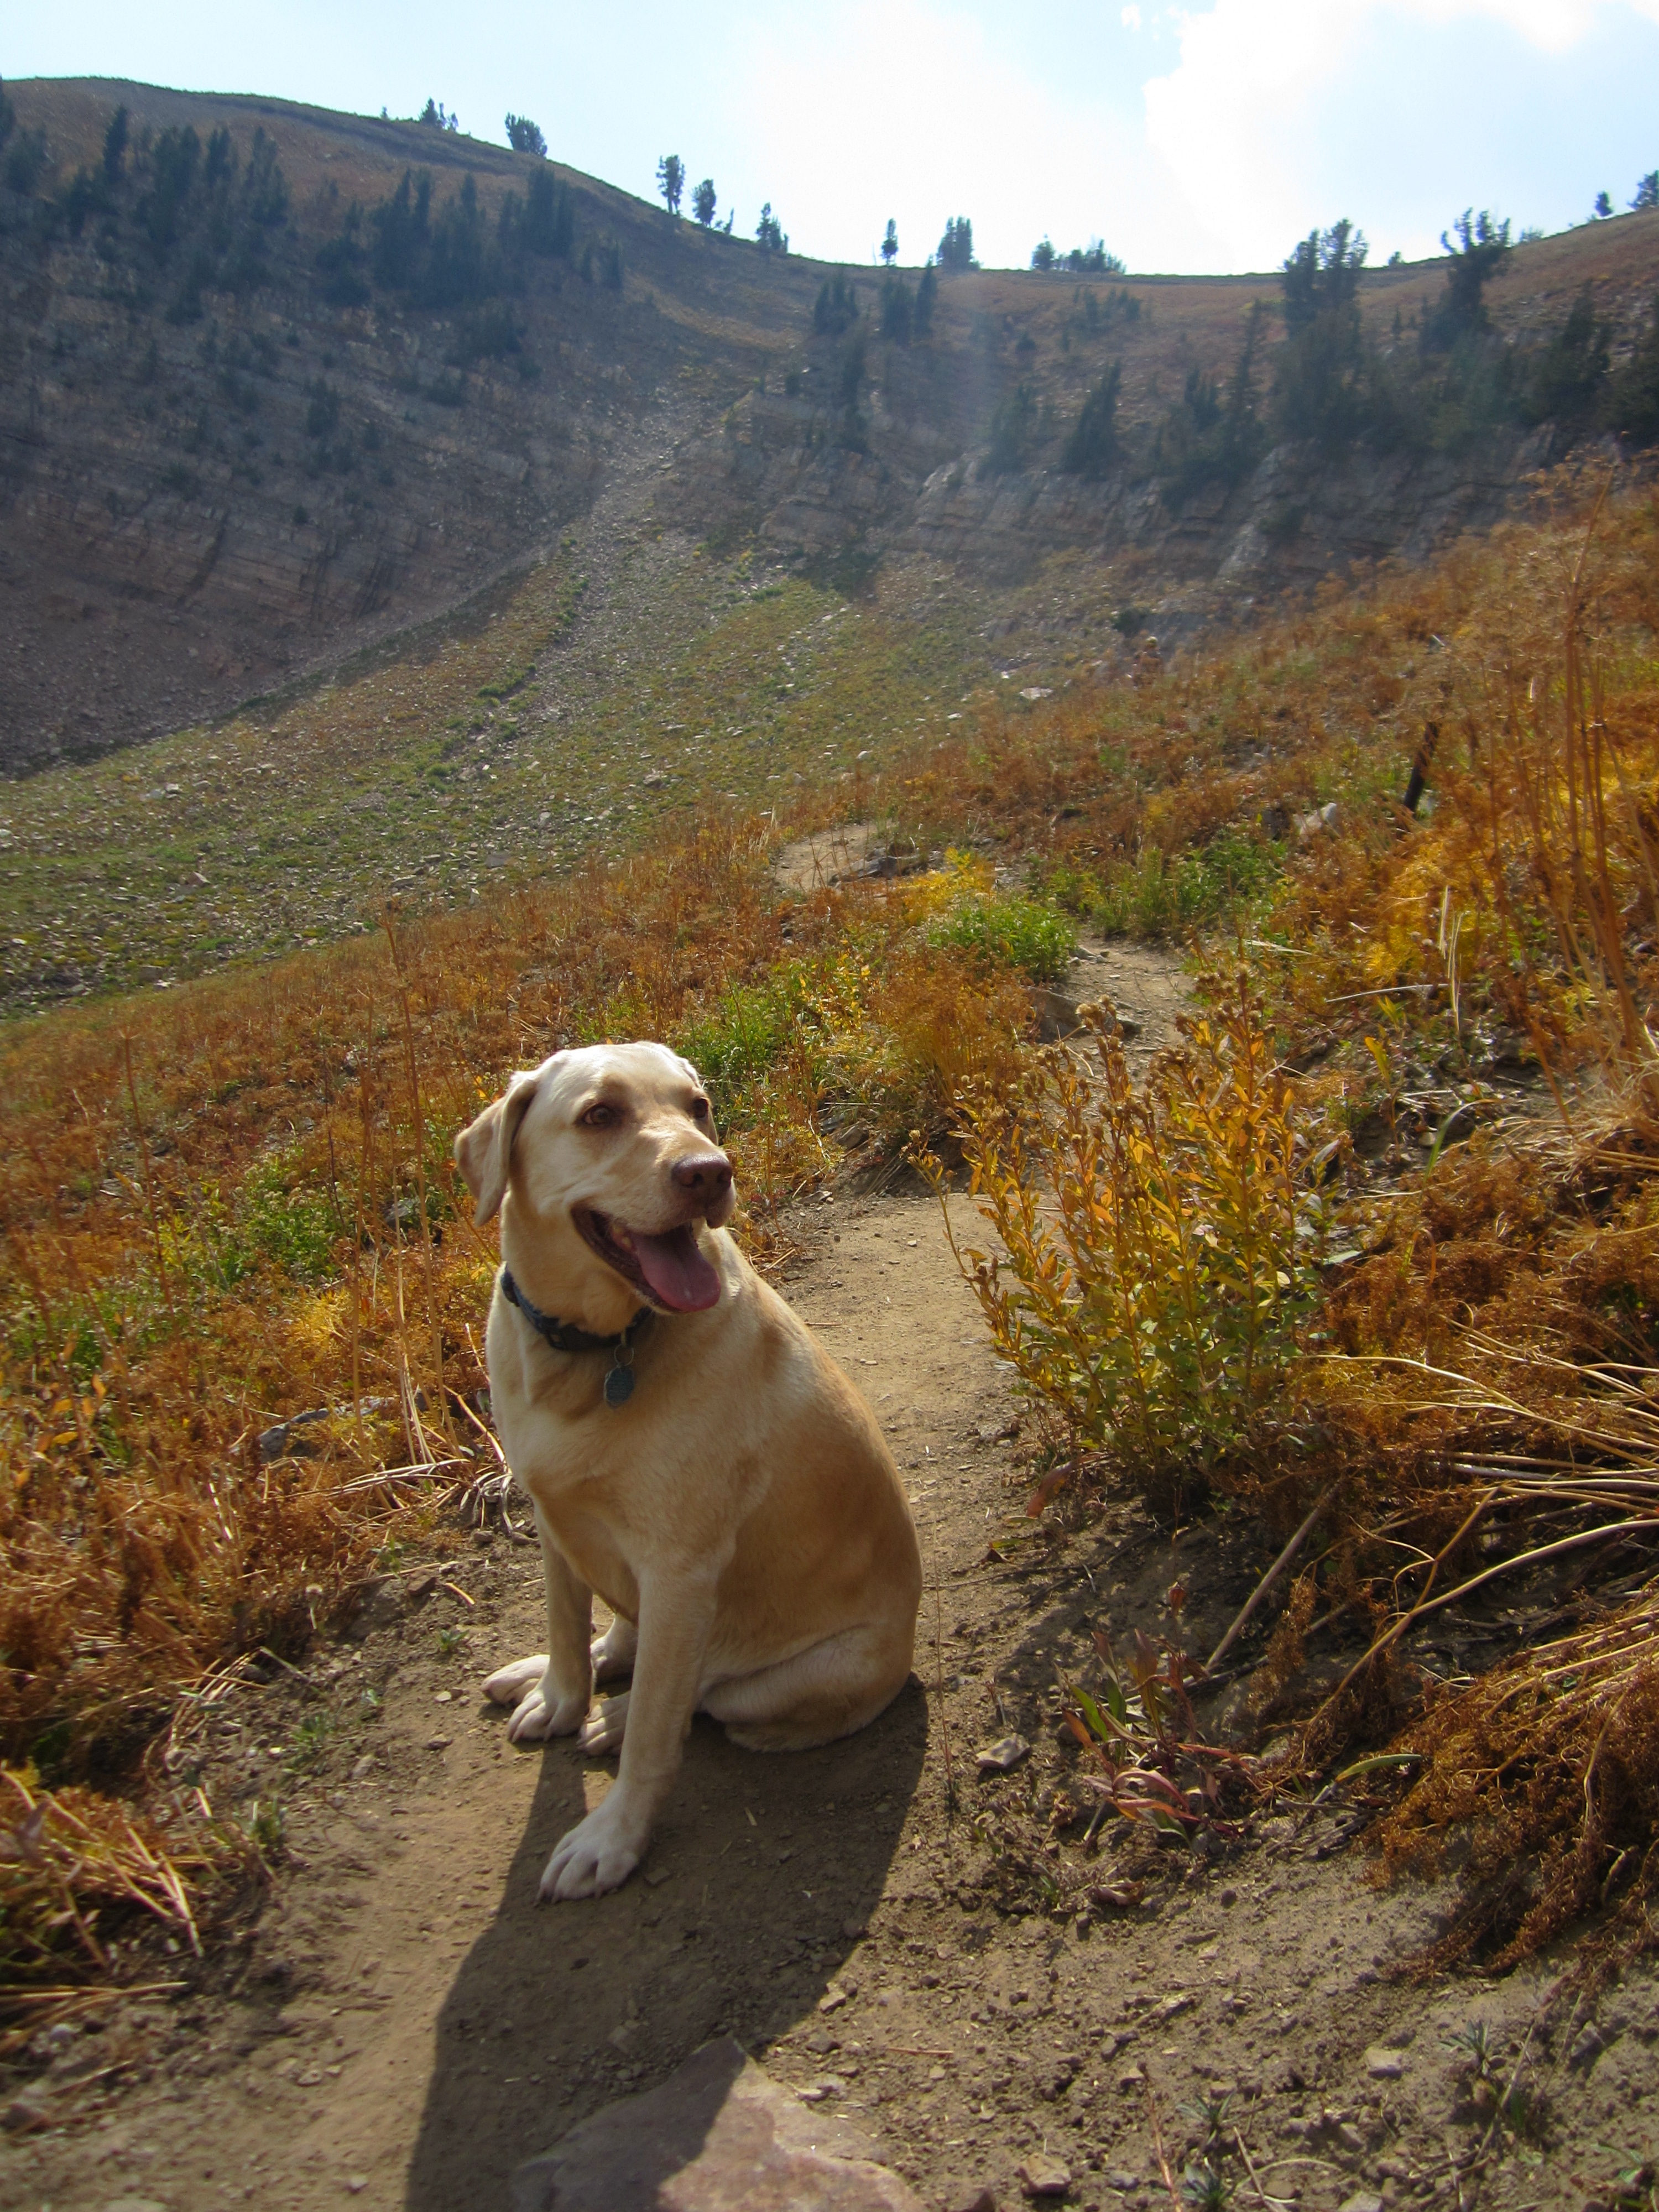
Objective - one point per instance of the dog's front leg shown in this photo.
(553, 1688)
(675, 1622)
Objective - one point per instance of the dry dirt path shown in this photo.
(405, 2026)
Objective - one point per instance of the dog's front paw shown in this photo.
(509, 1684)
(541, 1712)
(598, 1854)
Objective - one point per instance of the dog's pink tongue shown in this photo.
(680, 1273)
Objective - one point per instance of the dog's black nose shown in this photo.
(708, 1173)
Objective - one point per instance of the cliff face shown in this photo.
(912, 491)
(224, 467)
(200, 506)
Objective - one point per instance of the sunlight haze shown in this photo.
(1206, 139)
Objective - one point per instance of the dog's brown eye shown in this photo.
(700, 1109)
(598, 1117)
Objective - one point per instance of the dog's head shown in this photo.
(607, 1156)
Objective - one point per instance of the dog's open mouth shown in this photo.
(671, 1267)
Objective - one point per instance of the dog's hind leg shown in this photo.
(825, 1692)
(554, 1688)
(602, 1731)
(613, 1652)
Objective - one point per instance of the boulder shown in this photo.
(718, 2135)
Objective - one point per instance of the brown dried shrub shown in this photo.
(1547, 1770)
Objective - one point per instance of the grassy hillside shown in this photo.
(546, 732)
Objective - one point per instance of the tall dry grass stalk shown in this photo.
(71, 1863)
(1549, 1768)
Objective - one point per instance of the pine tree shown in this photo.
(769, 231)
(1568, 376)
(1647, 191)
(1093, 446)
(836, 306)
(890, 244)
(1631, 405)
(671, 181)
(115, 147)
(956, 248)
(1321, 372)
(524, 137)
(1603, 205)
(1011, 425)
(1480, 249)
(1044, 255)
(898, 312)
(550, 220)
(703, 202)
(926, 293)
(1322, 276)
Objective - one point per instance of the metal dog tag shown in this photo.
(619, 1385)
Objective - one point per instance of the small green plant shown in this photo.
(1155, 894)
(1211, 2114)
(1635, 2189)
(1472, 2043)
(1159, 1249)
(369, 1705)
(1025, 934)
(1204, 2189)
(268, 1829)
(292, 1223)
(450, 1641)
(746, 1032)
(309, 1738)
(1525, 2113)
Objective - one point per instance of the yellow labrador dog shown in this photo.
(691, 1453)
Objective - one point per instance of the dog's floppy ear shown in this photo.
(484, 1151)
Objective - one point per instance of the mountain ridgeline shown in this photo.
(277, 385)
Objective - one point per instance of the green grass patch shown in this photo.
(1154, 895)
(1031, 936)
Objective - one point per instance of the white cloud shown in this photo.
(920, 111)
(1130, 18)
(1239, 117)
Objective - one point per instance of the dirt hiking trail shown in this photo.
(404, 2027)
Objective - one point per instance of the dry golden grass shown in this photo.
(1549, 1766)
(74, 1867)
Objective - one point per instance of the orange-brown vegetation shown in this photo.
(1472, 1395)
(232, 1203)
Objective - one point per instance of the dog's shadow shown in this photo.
(766, 1870)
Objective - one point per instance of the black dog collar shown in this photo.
(565, 1336)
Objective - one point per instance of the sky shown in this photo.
(1204, 138)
